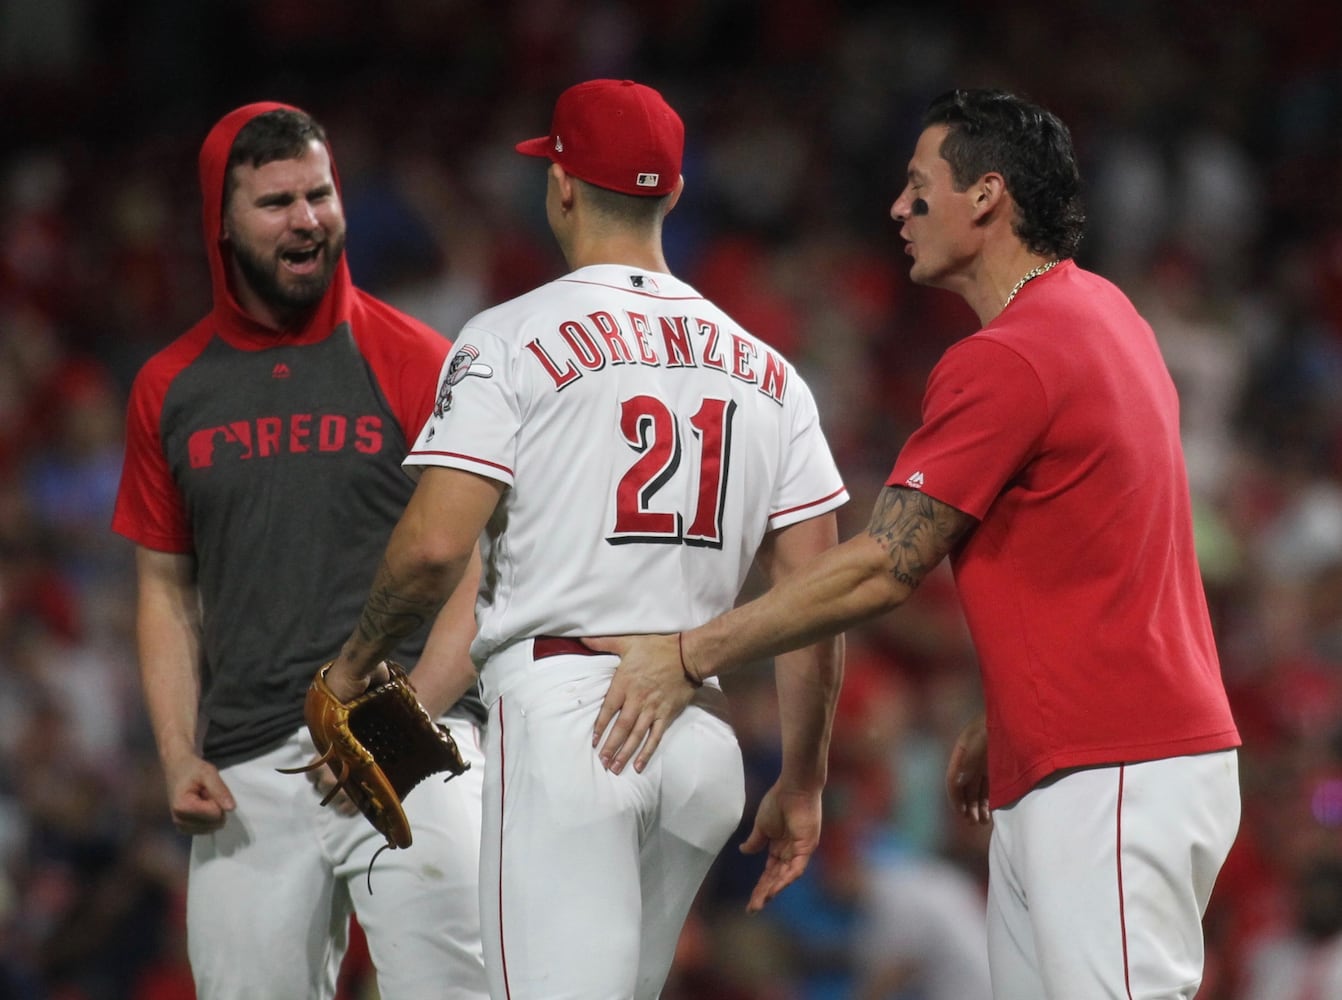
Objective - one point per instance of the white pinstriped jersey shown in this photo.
(648, 443)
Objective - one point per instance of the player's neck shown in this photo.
(999, 278)
(627, 252)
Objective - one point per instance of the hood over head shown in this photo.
(232, 321)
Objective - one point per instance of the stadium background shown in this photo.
(1211, 140)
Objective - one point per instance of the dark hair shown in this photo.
(282, 134)
(993, 131)
(636, 210)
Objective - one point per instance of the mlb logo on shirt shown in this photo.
(648, 180)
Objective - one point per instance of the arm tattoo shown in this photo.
(916, 531)
(389, 614)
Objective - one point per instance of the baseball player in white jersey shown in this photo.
(629, 453)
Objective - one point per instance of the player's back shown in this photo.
(648, 443)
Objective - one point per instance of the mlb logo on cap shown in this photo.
(616, 134)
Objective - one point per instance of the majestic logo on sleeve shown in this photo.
(915, 481)
(463, 363)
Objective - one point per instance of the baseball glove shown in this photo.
(381, 745)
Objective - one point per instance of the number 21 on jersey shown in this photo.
(647, 512)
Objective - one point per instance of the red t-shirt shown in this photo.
(1057, 427)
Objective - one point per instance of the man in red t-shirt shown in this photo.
(1048, 466)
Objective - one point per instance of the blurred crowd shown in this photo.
(1211, 141)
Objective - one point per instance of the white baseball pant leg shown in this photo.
(587, 876)
(420, 912)
(1099, 878)
(269, 896)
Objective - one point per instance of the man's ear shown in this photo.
(989, 192)
(564, 184)
(675, 194)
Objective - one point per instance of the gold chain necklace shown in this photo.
(1030, 275)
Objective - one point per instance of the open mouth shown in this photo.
(301, 260)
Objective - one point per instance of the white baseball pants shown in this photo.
(586, 876)
(1099, 878)
(270, 894)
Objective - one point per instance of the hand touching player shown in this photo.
(967, 773)
(649, 690)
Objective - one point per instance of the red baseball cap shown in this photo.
(616, 134)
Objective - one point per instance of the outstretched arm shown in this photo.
(908, 534)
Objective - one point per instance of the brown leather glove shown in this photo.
(380, 745)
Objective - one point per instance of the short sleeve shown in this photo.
(810, 483)
(984, 414)
(476, 416)
(149, 507)
(406, 357)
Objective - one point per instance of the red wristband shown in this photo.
(680, 646)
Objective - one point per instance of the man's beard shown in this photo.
(301, 293)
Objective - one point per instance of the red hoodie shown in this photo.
(274, 458)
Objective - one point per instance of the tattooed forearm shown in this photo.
(916, 531)
(389, 616)
(394, 610)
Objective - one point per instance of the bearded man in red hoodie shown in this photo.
(261, 482)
